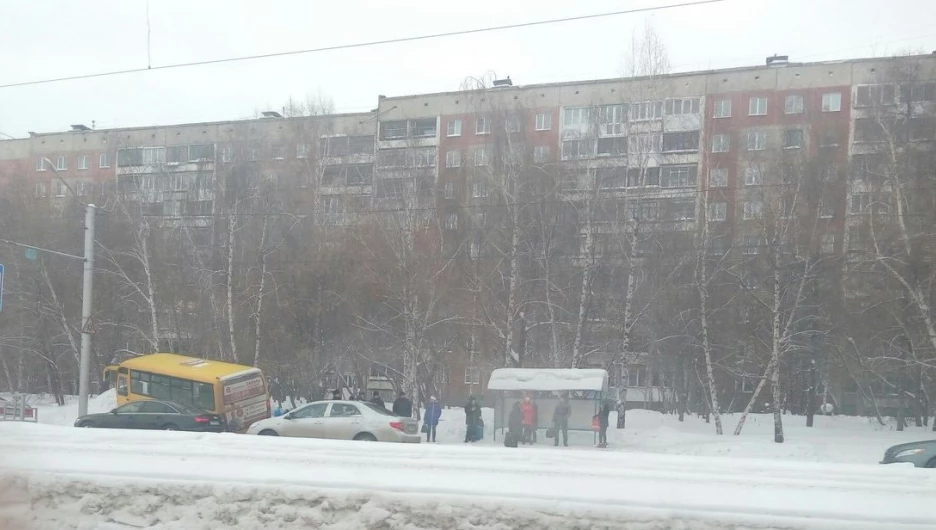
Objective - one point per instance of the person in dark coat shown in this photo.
(561, 421)
(604, 411)
(515, 422)
(431, 418)
(402, 406)
(336, 394)
(376, 400)
(361, 396)
(472, 419)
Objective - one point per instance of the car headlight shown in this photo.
(909, 452)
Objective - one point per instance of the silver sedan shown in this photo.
(341, 420)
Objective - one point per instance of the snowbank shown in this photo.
(548, 380)
(166, 480)
(66, 414)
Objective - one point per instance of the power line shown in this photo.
(364, 44)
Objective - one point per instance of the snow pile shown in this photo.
(166, 480)
(547, 380)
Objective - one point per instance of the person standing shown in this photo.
(604, 411)
(402, 406)
(431, 418)
(529, 419)
(376, 400)
(472, 419)
(336, 395)
(561, 421)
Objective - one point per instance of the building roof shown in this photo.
(547, 379)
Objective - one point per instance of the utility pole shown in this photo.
(84, 367)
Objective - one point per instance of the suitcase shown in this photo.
(510, 440)
(477, 432)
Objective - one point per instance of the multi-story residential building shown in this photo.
(732, 148)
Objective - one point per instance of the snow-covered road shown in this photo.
(59, 477)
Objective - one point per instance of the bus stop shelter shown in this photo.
(584, 387)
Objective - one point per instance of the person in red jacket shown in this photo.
(528, 409)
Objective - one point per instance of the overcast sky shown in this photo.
(55, 38)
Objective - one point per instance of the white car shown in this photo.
(341, 420)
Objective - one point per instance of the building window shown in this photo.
(681, 106)
(718, 177)
(751, 245)
(82, 161)
(513, 123)
(482, 156)
(915, 92)
(472, 376)
(40, 164)
(479, 189)
(41, 190)
(302, 150)
(252, 154)
(868, 95)
(721, 143)
(575, 116)
(860, 202)
(483, 125)
(793, 104)
(453, 158)
(613, 146)
(104, 160)
(451, 221)
(278, 152)
(718, 211)
(423, 128)
(793, 139)
(832, 102)
(393, 130)
(540, 154)
(62, 163)
(722, 108)
(827, 245)
(756, 141)
(753, 176)
(677, 176)
(575, 149)
(826, 209)
(636, 376)
(647, 110)
(454, 127)
(543, 121)
(680, 141)
(752, 210)
(82, 188)
(644, 143)
(449, 190)
(61, 189)
(757, 106)
(611, 119)
(682, 210)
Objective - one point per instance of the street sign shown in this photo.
(1, 287)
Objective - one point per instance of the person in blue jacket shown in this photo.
(431, 418)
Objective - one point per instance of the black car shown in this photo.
(161, 415)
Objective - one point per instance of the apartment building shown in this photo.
(645, 149)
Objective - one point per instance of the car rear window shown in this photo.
(377, 409)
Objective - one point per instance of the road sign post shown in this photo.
(1, 287)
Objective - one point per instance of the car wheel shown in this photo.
(268, 432)
(86, 425)
(365, 437)
(169, 427)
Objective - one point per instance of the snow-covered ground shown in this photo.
(825, 477)
(843, 439)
